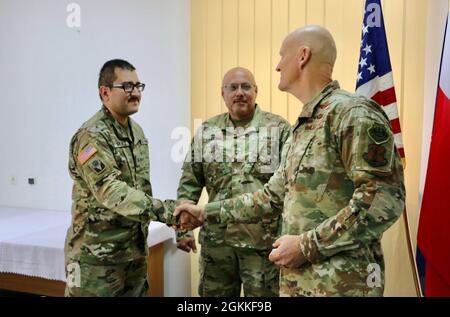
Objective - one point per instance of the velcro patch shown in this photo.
(376, 155)
(379, 133)
(97, 165)
(86, 154)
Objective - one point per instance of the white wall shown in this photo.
(48, 89)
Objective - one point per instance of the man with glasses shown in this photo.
(234, 153)
(112, 204)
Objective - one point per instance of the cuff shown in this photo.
(164, 211)
(212, 212)
(309, 247)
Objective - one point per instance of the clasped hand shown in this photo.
(191, 216)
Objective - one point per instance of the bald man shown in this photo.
(235, 147)
(339, 186)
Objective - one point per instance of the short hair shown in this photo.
(107, 74)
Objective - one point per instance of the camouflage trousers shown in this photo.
(124, 279)
(224, 269)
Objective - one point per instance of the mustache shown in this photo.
(134, 98)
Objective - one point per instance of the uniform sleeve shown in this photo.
(262, 205)
(367, 150)
(98, 168)
(192, 179)
(191, 183)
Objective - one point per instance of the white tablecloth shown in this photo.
(32, 241)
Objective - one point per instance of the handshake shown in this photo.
(191, 216)
(286, 251)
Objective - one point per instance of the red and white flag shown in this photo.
(433, 239)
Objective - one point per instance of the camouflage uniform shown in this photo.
(106, 244)
(235, 252)
(339, 187)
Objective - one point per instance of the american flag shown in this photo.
(84, 156)
(375, 78)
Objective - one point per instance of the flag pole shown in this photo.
(411, 254)
(376, 82)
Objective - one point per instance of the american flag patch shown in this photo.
(86, 154)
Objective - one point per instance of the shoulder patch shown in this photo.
(378, 133)
(97, 165)
(86, 154)
(376, 155)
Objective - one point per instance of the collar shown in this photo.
(253, 125)
(120, 130)
(308, 108)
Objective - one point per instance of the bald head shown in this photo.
(238, 70)
(318, 39)
(307, 59)
(239, 92)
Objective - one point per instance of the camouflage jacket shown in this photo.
(339, 187)
(111, 197)
(239, 164)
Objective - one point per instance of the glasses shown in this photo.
(128, 87)
(246, 87)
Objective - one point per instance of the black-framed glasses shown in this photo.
(128, 87)
(233, 87)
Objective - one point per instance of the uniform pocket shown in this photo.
(141, 154)
(215, 172)
(295, 156)
(119, 148)
(312, 171)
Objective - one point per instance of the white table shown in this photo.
(32, 251)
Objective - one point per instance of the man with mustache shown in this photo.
(339, 186)
(112, 204)
(235, 153)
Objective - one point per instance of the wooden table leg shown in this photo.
(155, 270)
